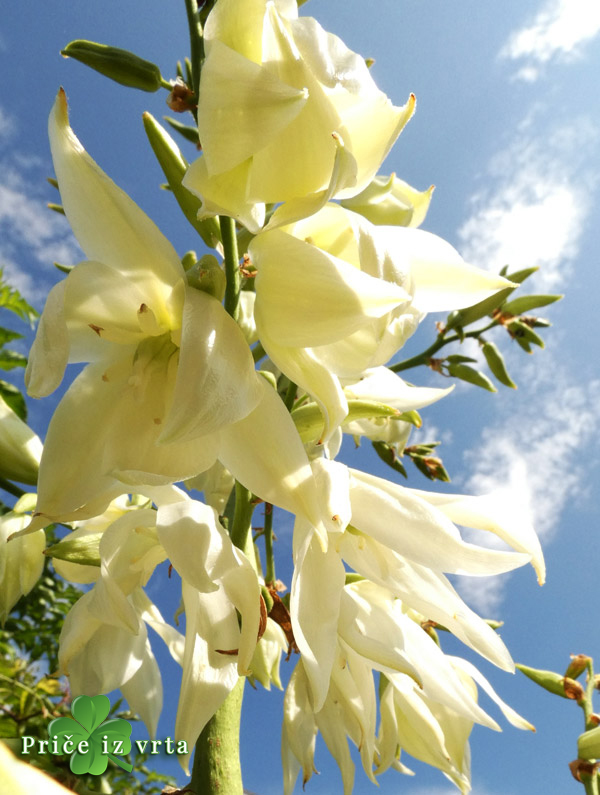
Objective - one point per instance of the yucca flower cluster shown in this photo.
(293, 132)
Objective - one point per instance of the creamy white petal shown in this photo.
(407, 525)
(442, 279)
(216, 383)
(314, 606)
(497, 513)
(144, 692)
(509, 713)
(109, 226)
(428, 592)
(264, 452)
(208, 676)
(50, 350)
(306, 297)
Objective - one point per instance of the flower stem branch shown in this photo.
(196, 43)
(232, 270)
(11, 488)
(268, 532)
(441, 341)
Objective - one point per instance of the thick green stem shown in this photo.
(242, 518)
(590, 783)
(232, 265)
(270, 560)
(216, 769)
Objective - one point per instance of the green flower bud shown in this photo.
(588, 744)
(309, 420)
(121, 66)
(208, 276)
(84, 550)
(525, 303)
(495, 362)
(549, 680)
(472, 376)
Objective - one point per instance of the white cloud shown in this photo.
(557, 428)
(558, 32)
(32, 237)
(7, 125)
(533, 208)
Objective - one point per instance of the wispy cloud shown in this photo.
(31, 236)
(559, 31)
(504, 458)
(532, 209)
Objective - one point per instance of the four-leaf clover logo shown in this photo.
(89, 738)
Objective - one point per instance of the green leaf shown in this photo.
(466, 373)
(6, 335)
(11, 299)
(187, 131)
(495, 362)
(464, 317)
(456, 358)
(526, 303)
(388, 455)
(11, 359)
(14, 398)
(520, 276)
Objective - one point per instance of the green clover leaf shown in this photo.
(106, 739)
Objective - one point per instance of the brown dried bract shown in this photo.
(181, 98)
(281, 615)
(573, 689)
(579, 766)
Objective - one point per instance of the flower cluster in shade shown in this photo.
(169, 393)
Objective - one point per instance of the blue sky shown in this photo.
(508, 129)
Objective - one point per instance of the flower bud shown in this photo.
(391, 201)
(495, 362)
(549, 680)
(208, 276)
(121, 66)
(578, 664)
(20, 448)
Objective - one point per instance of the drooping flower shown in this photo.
(428, 700)
(286, 113)
(104, 643)
(398, 540)
(336, 295)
